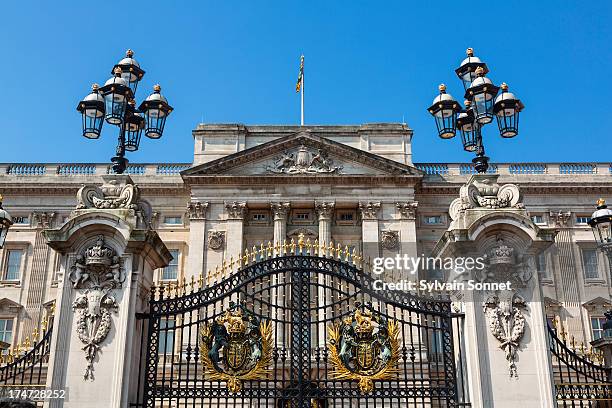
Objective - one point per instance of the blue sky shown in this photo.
(237, 62)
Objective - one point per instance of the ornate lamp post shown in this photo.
(482, 103)
(601, 224)
(5, 223)
(114, 103)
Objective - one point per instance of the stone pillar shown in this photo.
(369, 229)
(280, 212)
(325, 212)
(37, 284)
(236, 212)
(505, 336)
(407, 233)
(104, 280)
(196, 211)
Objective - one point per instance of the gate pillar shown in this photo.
(108, 257)
(506, 345)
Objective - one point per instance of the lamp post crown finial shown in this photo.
(504, 86)
(470, 52)
(129, 53)
(467, 103)
(117, 71)
(479, 71)
(600, 203)
(95, 87)
(157, 88)
(442, 88)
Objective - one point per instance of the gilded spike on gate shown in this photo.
(339, 251)
(563, 333)
(347, 253)
(331, 249)
(262, 251)
(270, 250)
(301, 242)
(573, 343)
(35, 334)
(308, 246)
(201, 279)
(245, 258)
(323, 249)
(354, 256)
(44, 324)
(52, 309)
(277, 248)
(315, 246)
(293, 247)
(253, 253)
(193, 284)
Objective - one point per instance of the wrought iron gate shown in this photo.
(304, 328)
(579, 376)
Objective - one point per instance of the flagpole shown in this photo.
(302, 96)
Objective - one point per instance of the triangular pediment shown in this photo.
(302, 154)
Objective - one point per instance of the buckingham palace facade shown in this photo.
(359, 186)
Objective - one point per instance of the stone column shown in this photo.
(236, 212)
(407, 232)
(196, 211)
(325, 212)
(104, 280)
(369, 229)
(280, 211)
(37, 284)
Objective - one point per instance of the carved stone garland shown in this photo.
(504, 310)
(96, 272)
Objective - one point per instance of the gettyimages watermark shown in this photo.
(452, 274)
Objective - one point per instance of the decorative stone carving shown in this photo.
(483, 191)
(98, 270)
(502, 265)
(369, 210)
(98, 266)
(389, 239)
(196, 210)
(280, 210)
(94, 308)
(507, 324)
(304, 232)
(325, 209)
(304, 162)
(407, 210)
(235, 210)
(43, 220)
(116, 192)
(560, 218)
(216, 240)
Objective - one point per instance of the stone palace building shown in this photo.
(359, 186)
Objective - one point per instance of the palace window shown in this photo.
(589, 263)
(166, 338)
(432, 219)
(13, 264)
(541, 265)
(259, 217)
(173, 220)
(597, 327)
(537, 219)
(6, 330)
(345, 217)
(21, 220)
(581, 219)
(170, 272)
(302, 216)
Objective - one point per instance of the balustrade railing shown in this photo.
(431, 169)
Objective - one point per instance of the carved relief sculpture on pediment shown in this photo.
(304, 161)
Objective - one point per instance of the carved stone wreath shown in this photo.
(507, 324)
(97, 270)
(216, 240)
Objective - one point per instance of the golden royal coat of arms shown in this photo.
(364, 348)
(236, 347)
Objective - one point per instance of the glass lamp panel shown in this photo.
(92, 126)
(604, 230)
(115, 108)
(156, 120)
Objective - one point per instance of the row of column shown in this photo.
(233, 238)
